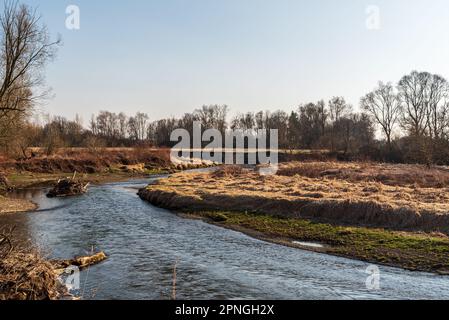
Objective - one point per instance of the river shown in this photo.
(144, 243)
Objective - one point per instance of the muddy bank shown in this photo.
(408, 250)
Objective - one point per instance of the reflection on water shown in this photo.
(144, 243)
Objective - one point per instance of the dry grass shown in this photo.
(392, 221)
(24, 274)
(389, 174)
(228, 172)
(356, 200)
(85, 161)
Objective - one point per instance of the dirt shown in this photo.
(101, 166)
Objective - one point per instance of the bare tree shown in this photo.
(138, 126)
(436, 94)
(338, 108)
(412, 92)
(213, 117)
(245, 122)
(123, 125)
(142, 124)
(25, 49)
(384, 106)
(323, 114)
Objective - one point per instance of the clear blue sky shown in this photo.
(169, 57)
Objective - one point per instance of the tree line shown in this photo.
(412, 115)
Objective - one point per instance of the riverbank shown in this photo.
(30, 180)
(24, 273)
(11, 205)
(94, 167)
(390, 224)
(410, 251)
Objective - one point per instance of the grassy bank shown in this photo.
(412, 251)
(326, 199)
(398, 219)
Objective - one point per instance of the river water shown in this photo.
(144, 243)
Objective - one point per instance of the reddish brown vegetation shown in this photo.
(85, 161)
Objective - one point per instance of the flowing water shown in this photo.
(144, 243)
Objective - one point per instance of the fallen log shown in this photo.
(80, 262)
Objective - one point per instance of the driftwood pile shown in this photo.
(24, 274)
(68, 187)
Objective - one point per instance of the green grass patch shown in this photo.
(412, 251)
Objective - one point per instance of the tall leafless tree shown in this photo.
(384, 106)
(338, 108)
(436, 95)
(412, 92)
(25, 49)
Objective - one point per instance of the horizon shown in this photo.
(161, 59)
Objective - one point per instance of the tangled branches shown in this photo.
(24, 274)
(6, 246)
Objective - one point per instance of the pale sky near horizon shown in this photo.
(169, 57)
